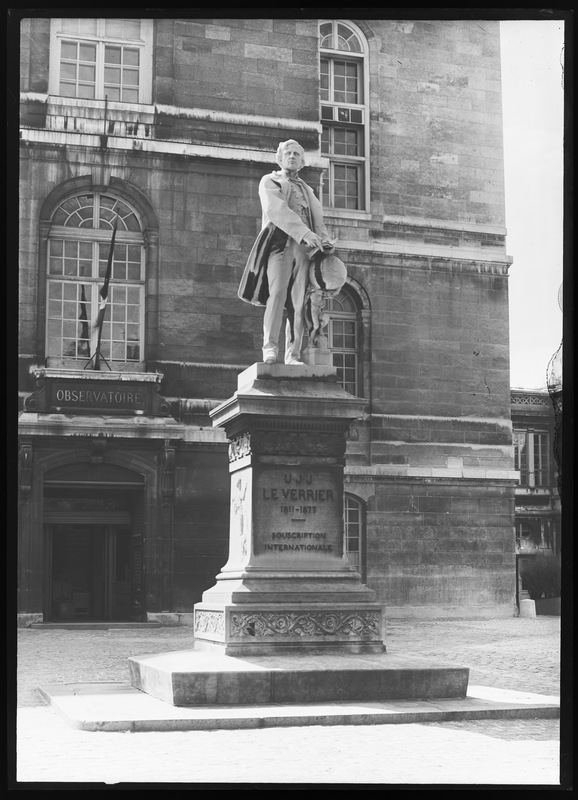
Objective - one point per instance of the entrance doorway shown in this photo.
(93, 539)
(90, 572)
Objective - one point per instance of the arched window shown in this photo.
(354, 533)
(343, 114)
(343, 339)
(79, 244)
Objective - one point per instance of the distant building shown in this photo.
(538, 509)
(168, 125)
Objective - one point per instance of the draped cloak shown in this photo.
(278, 223)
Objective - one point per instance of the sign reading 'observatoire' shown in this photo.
(84, 392)
(88, 395)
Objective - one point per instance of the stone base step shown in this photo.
(198, 677)
(93, 626)
(118, 707)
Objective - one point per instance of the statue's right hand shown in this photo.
(312, 240)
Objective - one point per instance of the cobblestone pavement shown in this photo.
(514, 653)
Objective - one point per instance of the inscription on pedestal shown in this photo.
(299, 513)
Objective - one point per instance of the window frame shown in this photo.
(100, 39)
(532, 475)
(348, 316)
(361, 162)
(361, 565)
(544, 535)
(98, 238)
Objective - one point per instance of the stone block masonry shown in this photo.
(440, 543)
(198, 77)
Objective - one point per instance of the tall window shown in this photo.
(354, 540)
(343, 114)
(343, 340)
(94, 59)
(78, 251)
(532, 457)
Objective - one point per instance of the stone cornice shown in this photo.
(431, 258)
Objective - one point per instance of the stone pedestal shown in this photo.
(288, 620)
(287, 586)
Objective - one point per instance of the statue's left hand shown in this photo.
(328, 246)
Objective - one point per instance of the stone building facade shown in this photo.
(536, 422)
(167, 125)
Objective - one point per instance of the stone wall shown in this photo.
(433, 458)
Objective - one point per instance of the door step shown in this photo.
(92, 626)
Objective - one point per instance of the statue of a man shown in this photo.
(277, 271)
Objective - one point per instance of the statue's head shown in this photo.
(288, 153)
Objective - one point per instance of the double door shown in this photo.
(89, 571)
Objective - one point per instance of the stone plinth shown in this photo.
(286, 585)
(288, 619)
(191, 678)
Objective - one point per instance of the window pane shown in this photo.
(87, 52)
(326, 33)
(131, 28)
(69, 292)
(130, 57)
(113, 27)
(54, 290)
(129, 96)
(119, 295)
(69, 50)
(130, 77)
(133, 295)
(67, 90)
(112, 55)
(122, 28)
(77, 25)
(86, 73)
(132, 352)
(86, 92)
(118, 351)
(56, 247)
(69, 310)
(112, 93)
(68, 71)
(347, 39)
(133, 272)
(112, 75)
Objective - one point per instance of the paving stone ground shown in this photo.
(516, 653)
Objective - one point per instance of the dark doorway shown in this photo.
(93, 543)
(90, 572)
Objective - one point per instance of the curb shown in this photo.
(119, 707)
